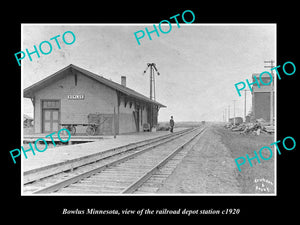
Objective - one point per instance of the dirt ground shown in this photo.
(209, 167)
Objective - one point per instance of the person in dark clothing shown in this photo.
(171, 124)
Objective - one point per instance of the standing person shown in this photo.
(171, 124)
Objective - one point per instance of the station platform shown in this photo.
(60, 154)
(75, 138)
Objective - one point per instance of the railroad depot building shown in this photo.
(76, 96)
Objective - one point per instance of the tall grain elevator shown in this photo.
(263, 98)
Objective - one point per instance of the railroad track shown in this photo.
(135, 170)
(38, 178)
(69, 165)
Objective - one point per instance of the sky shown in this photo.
(198, 63)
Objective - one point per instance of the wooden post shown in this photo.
(114, 122)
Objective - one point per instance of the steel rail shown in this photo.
(135, 185)
(75, 179)
(46, 171)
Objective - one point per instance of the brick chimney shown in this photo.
(123, 81)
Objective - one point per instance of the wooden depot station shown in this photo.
(78, 99)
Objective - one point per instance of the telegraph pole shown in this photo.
(245, 103)
(271, 66)
(234, 112)
(228, 113)
(152, 67)
(151, 82)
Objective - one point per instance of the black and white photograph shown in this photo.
(145, 110)
(107, 112)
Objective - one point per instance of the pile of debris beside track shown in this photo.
(260, 126)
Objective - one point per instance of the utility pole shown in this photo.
(271, 66)
(152, 67)
(151, 82)
(245, 104)
(272, 90)
(228, 113)
(234, 112)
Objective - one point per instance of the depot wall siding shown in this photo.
(98, 98)
(144, 115)
(126, 118)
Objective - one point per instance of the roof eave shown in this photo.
(29, 91)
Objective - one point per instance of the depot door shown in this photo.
(50, 116)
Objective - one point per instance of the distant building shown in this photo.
(263, 98)
(70, 95)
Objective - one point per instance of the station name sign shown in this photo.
(75, 97)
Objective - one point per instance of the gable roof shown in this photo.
(29, 91)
